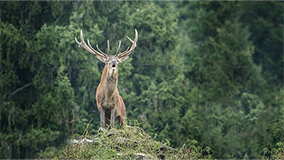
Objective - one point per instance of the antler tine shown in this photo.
(99, 49)
(118, 48)
(88, 48)
(127, 52)
(124, 52)
(107, 47)
(79, 44)
(100, 53)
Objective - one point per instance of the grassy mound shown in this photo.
(129, 143)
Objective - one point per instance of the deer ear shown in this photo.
(122, 59)
(101, 58)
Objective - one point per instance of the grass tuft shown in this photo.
(132, 142)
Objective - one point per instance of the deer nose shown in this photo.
(113, 64)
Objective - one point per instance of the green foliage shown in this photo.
(276, 152)
(230, 90)
(190, 125)
(266, 30)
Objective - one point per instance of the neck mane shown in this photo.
(109, 83)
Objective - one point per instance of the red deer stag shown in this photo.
(109, 102)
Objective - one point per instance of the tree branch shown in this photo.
(19, 89)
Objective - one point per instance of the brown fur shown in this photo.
(108, 100)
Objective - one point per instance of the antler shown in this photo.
(127, 52)
(90, 48)
(118, 48)
(101, 53)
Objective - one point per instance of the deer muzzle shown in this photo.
(112, 71)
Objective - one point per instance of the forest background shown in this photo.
(209, 71)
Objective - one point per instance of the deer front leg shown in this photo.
(121, 122)
(102, 116)
(112, 119)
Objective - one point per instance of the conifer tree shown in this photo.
(228, 84)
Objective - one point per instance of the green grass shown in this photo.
(133, 142)
(129, 143)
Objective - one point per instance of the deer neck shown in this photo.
(109, 82)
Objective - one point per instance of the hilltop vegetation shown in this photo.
(208, 71)
(129, 143)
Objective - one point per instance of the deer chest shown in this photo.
(108, 104)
